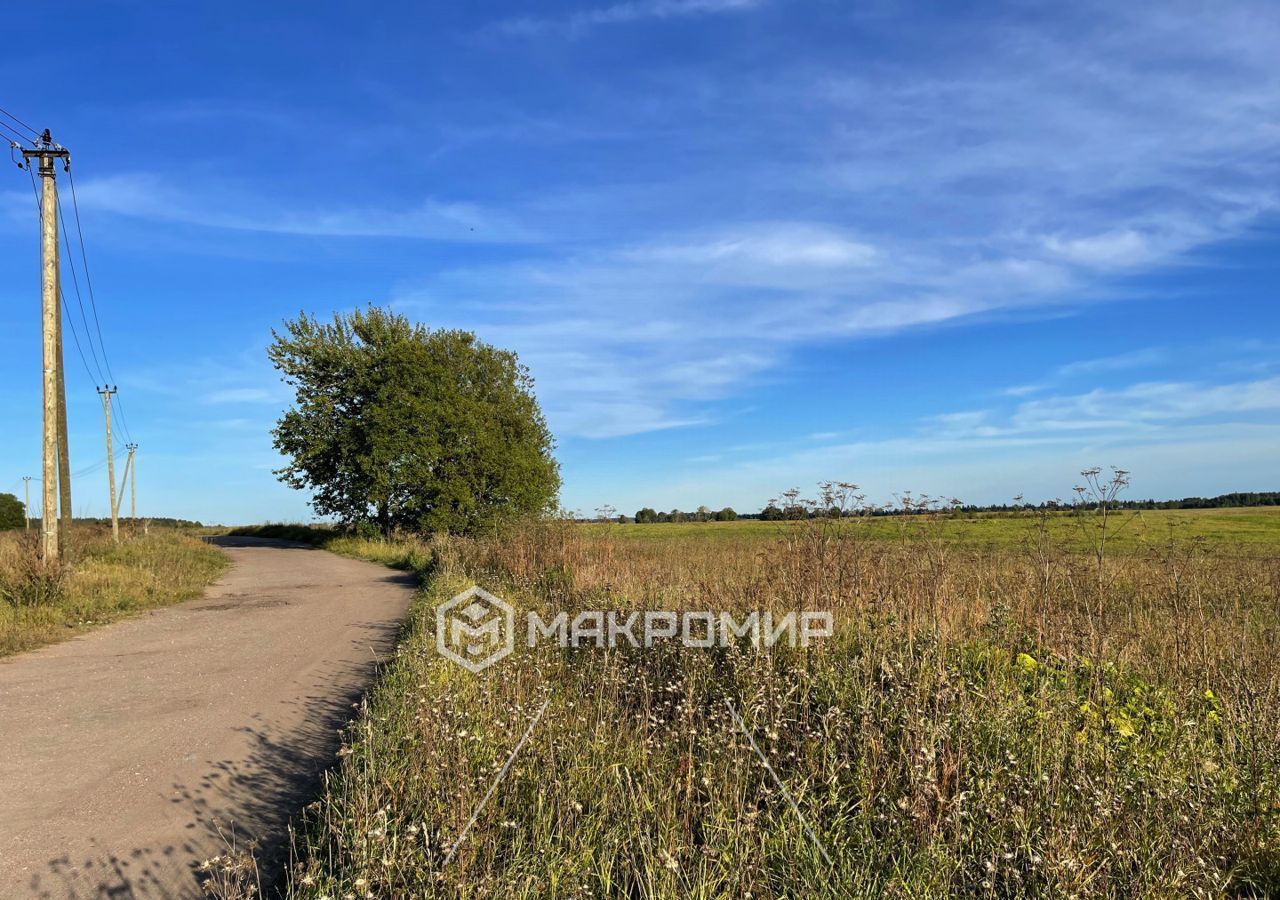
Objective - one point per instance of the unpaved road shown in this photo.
(125, 752)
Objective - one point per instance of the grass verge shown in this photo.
(103, 582)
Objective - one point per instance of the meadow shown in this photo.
(1223, 531)
(1018, 706)
(101, 582)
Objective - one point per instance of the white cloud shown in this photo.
(148, 196)
(578, 23)
(1178, 438)
(935, 193)
(801, 206)
(1136, 359)
(781, 245)
(1148, 403)
(1114, 249)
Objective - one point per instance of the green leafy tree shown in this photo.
(11, 512)
(646, 516)
(402, 427)
(726, 515)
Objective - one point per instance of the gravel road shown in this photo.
(132, 753)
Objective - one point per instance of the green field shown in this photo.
(998, 714)
(1254, 530)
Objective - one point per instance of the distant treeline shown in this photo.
(11, 516)
(1235, 499)
(155, 521)
(701, 514)
(773, 513)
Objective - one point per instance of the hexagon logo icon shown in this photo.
(475, 629)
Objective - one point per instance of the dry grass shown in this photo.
(1023, 721)
(102, 582)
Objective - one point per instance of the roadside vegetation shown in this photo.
(102, 581)
(1058, 713)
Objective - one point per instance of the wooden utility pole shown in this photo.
(26, 507)
(126, 478)
(46, 152)
(64, 454)
(106, 391)
(132, 469)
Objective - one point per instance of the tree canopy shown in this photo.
(11, 512)
(405, 427)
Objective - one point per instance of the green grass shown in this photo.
(103, 582)
(1254, 530)
(1020, 722)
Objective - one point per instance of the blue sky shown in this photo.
(742, 244)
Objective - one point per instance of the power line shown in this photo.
(20, 122)
(89, 470)
(124, 423)
(70, 321)
(93, 302)
(75, 281)
(75, 205)
(80, 473)
(103, 367)
(16, 134)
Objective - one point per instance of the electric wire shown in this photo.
(105, 374)
(75, 281)
(62, 297)
(20, 122)
(90, 469)
(124, 423)
(16, 134)
(80, 473)
(93, 302)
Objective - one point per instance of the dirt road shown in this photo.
(126, 755)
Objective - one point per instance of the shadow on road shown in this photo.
(245, 802)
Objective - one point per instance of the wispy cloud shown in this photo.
(1147, 403)
(752, 213)
(148, 196)
(784, 246)
(933, 194)
(1220, 437)
(578, 23)
(1136, 359)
